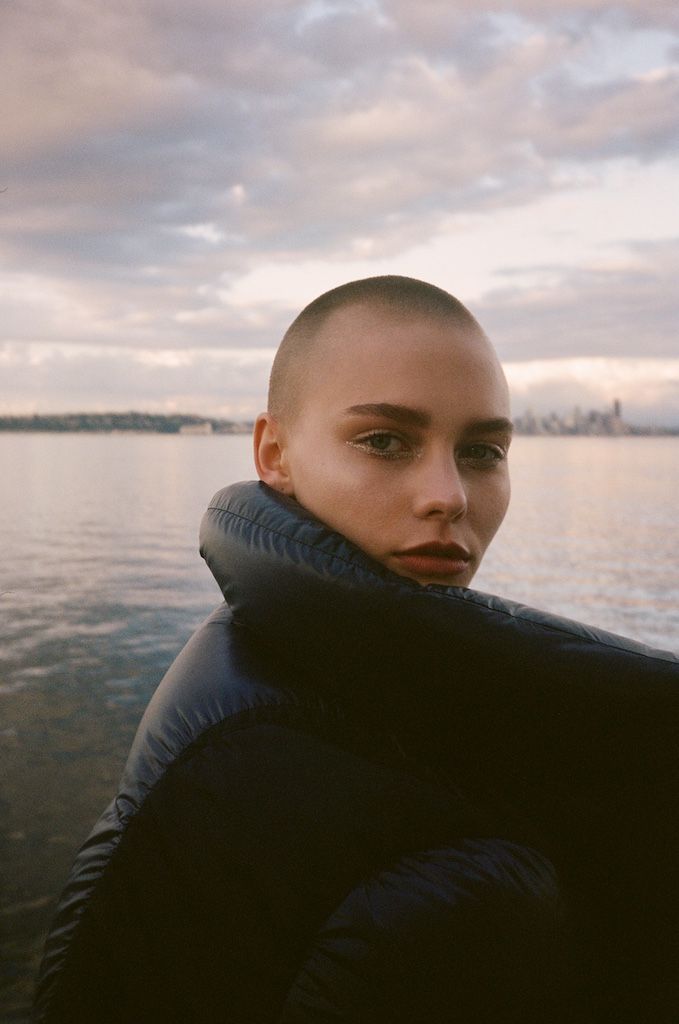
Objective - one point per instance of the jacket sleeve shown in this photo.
(471, 933)
(212, 898)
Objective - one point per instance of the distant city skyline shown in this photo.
(593, 423)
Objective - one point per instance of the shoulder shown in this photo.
(189, 783)
(226, 834)
(222, 680)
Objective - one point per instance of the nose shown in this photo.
(440, 489)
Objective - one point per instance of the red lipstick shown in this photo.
(434, 559)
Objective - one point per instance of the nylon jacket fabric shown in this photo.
(348, 799)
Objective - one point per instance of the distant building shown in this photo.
(617, 425)
(196, 428)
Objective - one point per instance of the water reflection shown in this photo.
(592, 533)
(102, 584)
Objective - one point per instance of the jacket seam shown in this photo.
(301, 543)
(238, 721)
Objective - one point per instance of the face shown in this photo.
(401, 442)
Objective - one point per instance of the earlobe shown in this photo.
(271, 454)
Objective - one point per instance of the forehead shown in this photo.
(364, 349)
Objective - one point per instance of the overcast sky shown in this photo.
(180, 179)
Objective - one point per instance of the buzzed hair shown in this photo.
(405, 295)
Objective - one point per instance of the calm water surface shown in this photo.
(101, 584)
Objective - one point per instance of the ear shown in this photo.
(270, 452)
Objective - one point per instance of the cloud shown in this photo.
(622, 310)
(647, 388)
(627, 117)
(131, 123)
(157, 155)
(231, 383)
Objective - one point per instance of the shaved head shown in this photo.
(400, 297)
(389, 421)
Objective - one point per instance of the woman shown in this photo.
(364, 792)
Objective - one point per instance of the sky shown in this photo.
(179, 180)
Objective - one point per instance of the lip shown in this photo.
(434, 560)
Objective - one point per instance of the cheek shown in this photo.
(354, 500)
(324, 487)
(488, 501)
(496, 503)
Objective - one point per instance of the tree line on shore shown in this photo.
(108, 422)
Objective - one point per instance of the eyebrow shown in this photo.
(399, 413)
(409, 416)
(501, 425)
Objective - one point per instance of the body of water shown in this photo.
(101, 584)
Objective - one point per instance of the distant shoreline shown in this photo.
(152, 423)
(122, 423)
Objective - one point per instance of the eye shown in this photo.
(482, 455)
(382, 443)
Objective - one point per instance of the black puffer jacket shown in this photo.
(332, 808)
